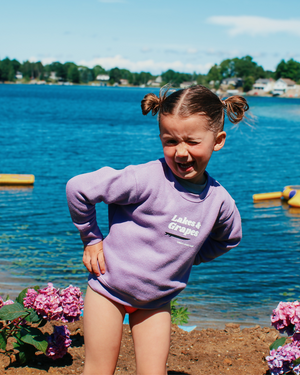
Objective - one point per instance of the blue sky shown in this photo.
(155, 35)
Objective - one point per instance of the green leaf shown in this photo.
(26, 352)
(3, 341)
(21, 296)
(296, 361)
(11, 312)
(33, 316)
(277, 343)
(179, 315)
(35, 337)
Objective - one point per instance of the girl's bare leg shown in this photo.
(151, 331)
(103, 326)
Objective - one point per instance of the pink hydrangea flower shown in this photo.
(58, 342)
(72, 303)
(29, 300)
(52, 304)
(286, 317)
(48, 304)
(4, 303)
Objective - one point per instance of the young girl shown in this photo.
(164, 217)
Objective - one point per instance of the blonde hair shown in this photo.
(196, 100)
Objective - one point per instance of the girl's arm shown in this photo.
(225, 235)
(85, 191)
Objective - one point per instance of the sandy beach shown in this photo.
(232, 350)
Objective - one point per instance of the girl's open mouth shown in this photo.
(186, 167)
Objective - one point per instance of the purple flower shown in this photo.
(58, 342)
(296, 369)
(296, 337)
(281, 360)
(72, 303)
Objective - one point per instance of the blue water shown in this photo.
(56, 132)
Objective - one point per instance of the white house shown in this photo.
(19, 75)
(264, 84)
(156, 82)
(102, 77)
(185, 85)
(282, 85)
(53, 76)
(124, 82)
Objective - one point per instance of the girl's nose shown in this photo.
(181, 150)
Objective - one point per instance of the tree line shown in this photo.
(245, 68)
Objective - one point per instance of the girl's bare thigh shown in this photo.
(103, 326)
(151, 331)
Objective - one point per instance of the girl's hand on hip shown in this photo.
(93, 258)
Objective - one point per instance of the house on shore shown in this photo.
(53, 76)
(102, 79)
(264, 85)
(124, 82)
(155, 83)
(19, 75)
(185, 85)
(236, 82)
(282, 85)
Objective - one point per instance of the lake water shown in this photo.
(56, 132)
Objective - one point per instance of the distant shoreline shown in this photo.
(222, 93)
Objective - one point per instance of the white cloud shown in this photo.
(192, 50)
(253, 26)
(155, 67)
(44, 60)
(146, 49)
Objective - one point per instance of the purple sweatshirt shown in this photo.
(157, 230)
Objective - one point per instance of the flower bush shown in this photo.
(32, 309)
(285, 358)
(58, 342)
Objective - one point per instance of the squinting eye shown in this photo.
(171, 142)
(192, 143)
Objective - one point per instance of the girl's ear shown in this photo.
(220, 141)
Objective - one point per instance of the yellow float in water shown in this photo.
(290, 193)
(266, 196)
(16, 179)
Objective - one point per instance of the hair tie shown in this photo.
(224, 103)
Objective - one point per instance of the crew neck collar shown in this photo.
(193, 197)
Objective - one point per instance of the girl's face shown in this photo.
(188, 145)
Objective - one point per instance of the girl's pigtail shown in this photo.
(150, 103)
(235, 107)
